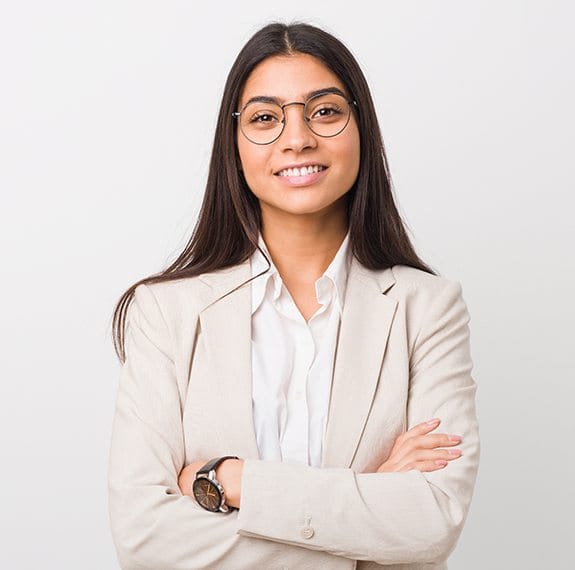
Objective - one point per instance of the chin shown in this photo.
(303, 208)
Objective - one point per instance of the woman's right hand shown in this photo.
(418, 449)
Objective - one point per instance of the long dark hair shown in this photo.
(228, 226)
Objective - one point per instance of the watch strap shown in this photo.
(214, 463)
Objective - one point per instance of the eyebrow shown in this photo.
(309, 95)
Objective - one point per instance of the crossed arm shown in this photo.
(415, 449)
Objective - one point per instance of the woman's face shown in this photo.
(289, 79)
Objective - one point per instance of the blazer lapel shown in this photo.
(226, 324)
(364, 330)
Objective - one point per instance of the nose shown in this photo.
(296, 134)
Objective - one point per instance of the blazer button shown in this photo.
(307, 532)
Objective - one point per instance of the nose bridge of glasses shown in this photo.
(283, 108)
(292, 103)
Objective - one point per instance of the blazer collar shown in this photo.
(224, 281)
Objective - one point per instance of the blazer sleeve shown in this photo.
(387, 518)
(153, 525)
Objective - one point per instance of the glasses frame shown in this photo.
(351, 102)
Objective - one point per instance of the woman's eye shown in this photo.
(326, 112)
(263, 118)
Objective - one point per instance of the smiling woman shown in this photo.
(273, 172)
(284, 378)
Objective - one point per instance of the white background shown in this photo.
(107, 111)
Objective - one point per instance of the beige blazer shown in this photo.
(403, 357)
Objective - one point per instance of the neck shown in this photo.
(302, 247)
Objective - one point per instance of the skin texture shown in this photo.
(303, 226)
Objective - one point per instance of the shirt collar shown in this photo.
(259, 265)
(337, 272)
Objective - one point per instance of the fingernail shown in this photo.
(441, 462)
(455, 452)
(455, 438)
(433, 421)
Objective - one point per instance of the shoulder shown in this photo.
(172, 294)
(423, 295)
(161, 309)
(184, 297)
(408, 279)
(420, 289)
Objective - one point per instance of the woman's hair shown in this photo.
(228, 226)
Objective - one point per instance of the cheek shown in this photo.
(350, 153)
(349, 145)
(355, 145)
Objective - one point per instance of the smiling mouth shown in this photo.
(303, 171)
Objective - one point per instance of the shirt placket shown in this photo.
(295, 432)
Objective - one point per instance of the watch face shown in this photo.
(207, 494)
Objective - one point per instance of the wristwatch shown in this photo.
(207, 490)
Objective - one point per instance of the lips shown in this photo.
(301, 170)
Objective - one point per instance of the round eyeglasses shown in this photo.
(262, 120)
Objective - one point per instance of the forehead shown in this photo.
(289, 78)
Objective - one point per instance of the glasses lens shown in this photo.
(261, 122)
(327, 115)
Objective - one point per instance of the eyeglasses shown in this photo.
(262, 120)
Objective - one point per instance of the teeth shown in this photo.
(303, 171)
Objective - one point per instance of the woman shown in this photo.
(284, 379)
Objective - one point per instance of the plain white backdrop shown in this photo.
(107, 111)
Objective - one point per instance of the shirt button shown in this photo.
(299, 395)
(307, 532)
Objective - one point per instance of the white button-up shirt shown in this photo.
(292, 360)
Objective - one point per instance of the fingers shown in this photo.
(428, 460)
(419, 449)
(432, 441)
(420, 436)
(419, 430)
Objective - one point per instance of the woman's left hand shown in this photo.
(228, 473)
